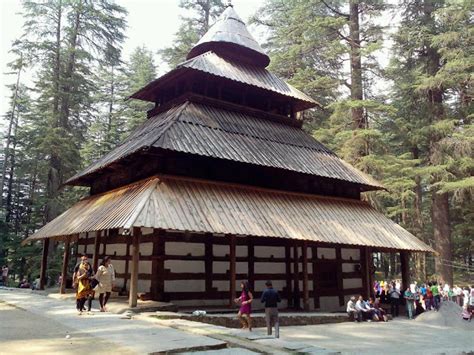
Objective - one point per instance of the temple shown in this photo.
(221, 184)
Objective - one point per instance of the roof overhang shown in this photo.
(192, 205)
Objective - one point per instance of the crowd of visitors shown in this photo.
(87, 283)
(417, 298)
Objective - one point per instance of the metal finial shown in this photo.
(229, 3)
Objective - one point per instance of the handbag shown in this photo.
(94, 283)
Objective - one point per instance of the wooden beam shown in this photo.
(95, 261)
(44, 264)
(132, 298)
(305, 277)
(288, 276)
(208, 263)
(340, 283)
(364, 260)
(157, 269)
(296, 279)
(405, 268)
(62, 289)
(251, 263)
(232, 269)
(127, 263)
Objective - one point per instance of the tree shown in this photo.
(202, 13)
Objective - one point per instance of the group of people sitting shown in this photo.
(366, 310)
(87, 283)
(418, 298)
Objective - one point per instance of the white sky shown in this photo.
(150, 22)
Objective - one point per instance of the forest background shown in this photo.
(394, 79)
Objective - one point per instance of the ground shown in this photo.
(30, 322)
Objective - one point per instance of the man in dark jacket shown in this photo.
(270, 298)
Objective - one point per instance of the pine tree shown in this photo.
(202, 13)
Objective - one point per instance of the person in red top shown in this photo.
(245, 310)
(429, 298)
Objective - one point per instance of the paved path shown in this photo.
(52, 320)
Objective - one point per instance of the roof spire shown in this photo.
(230, 37)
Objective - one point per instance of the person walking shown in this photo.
(436, 296)
(104, 277)
(271, 298)
(83, 286)
(90, 295)
(410, 302)
(245, 309)
(394, 300)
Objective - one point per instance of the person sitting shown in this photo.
(352, 311)
(361, 306)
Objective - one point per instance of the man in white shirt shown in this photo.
(363, 309)
(352, 310)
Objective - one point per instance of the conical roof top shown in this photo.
(229, 36)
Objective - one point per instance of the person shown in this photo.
(83, 288)
(429, 298)
(410, 302)
(394, 300)
(24, 284)
(271, 298)
(245, 309)
(90, 295)
(105, 277)
(362, 308)
(4, 274)
(436, 296)
(458, 295)
(379, 311)
(471, 303)
(351, 310)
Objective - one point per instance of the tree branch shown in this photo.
(334, 10)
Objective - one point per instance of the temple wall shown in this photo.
(184, 268)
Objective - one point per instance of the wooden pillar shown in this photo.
(208, 262)
(158, 268)
(104, 243)
(132, 298)
(95, 260)
(289, 293)
(364, 259)
(340, 284)
(62, 288)
(316, 288)
(232, 267)
(86, 242)
(127, 264)
(405, 268)
(305, 277)
(296, 279)
(251, 264)
(44, 264)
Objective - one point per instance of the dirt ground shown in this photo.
(25, 332)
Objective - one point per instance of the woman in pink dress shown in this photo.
(245, 301)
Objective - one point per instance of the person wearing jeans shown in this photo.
(394, 300)
(270, 298)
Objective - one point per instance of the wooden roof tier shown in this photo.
(241, 72)
(209, 131)
(191, 205)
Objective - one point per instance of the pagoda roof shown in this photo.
(230, 34)
(213, 64)
(205, 130)
(192, 205)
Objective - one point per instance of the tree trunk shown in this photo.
(442, 236)
(358, 119)
(9, 133)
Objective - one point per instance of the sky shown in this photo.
(152, 23)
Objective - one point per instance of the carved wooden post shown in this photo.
(67, 243)
(44, 264)
(232, 271)
(132, 299)
(296, 271)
